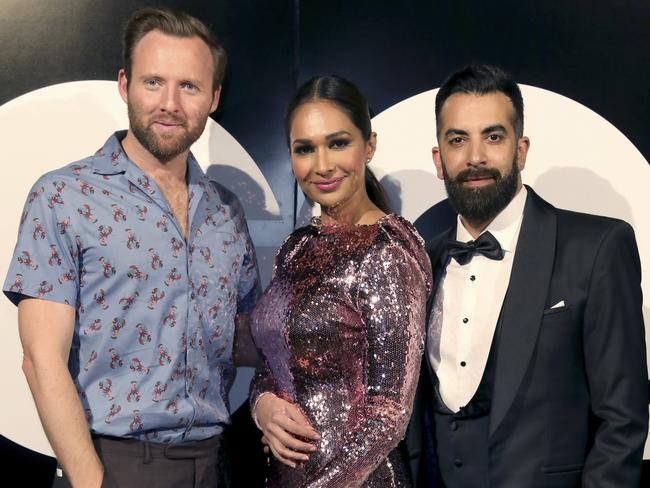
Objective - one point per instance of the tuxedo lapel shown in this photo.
(438, 257)
(524, 302)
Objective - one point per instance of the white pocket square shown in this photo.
(559, 304)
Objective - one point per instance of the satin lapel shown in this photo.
(524, 303)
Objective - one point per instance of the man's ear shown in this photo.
(437, 161)
(215, 99)
(122, 85)
(523, 144)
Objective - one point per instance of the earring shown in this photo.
(368, 161)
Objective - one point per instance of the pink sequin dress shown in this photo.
(341, 330)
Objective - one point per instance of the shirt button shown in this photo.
(458, 463)
(453, 425)
(192, 295)
(463, 363)
(472, 278)
(465, 320)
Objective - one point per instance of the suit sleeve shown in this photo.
(392, 303)
(615, 356)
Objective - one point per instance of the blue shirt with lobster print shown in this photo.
(152, 347)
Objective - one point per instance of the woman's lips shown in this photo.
(329, 184)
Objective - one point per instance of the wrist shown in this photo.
(256, 404)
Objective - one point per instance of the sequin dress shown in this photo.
(341, 331)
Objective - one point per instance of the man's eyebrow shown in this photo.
(454, 131)
(148, 76)
(494, 128)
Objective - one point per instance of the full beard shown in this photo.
(164, 148)
(481, 205)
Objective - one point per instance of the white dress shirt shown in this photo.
(467, 307)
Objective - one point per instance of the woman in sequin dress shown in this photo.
(341, 325)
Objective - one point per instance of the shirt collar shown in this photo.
(112, 160)
(505, 226)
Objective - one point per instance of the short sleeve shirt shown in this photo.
(152, 347)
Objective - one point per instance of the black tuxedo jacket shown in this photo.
(570, 398)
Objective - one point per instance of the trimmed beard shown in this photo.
(164, 149)
(481, 205)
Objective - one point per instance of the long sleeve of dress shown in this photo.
(262, 383)
(263, 380)
(392, 295)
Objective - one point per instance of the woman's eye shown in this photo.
(300, 150)
(339, 143)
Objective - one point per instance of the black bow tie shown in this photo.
(486, 244)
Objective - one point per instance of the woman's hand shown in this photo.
(283, 424)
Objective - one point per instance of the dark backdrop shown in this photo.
(597, 53)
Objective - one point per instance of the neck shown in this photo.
(174, 169)
(474, 228)
(365, 212)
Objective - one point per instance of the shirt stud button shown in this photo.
(472, 278)
(465, 320)
(463, 364)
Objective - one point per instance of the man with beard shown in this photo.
(535, 365)
(133, 266)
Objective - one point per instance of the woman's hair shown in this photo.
(346, 96)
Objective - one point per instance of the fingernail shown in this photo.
(312, 448)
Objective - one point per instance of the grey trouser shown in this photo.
(143, 464)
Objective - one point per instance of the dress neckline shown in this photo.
(317, 223)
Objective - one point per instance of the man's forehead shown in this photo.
(473, 108)
(157, 39)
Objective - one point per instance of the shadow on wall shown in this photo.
(249, 193)
(393, 189)
(304, 212)
(434, 219)
(583, 191)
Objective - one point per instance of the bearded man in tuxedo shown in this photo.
(535, 371)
